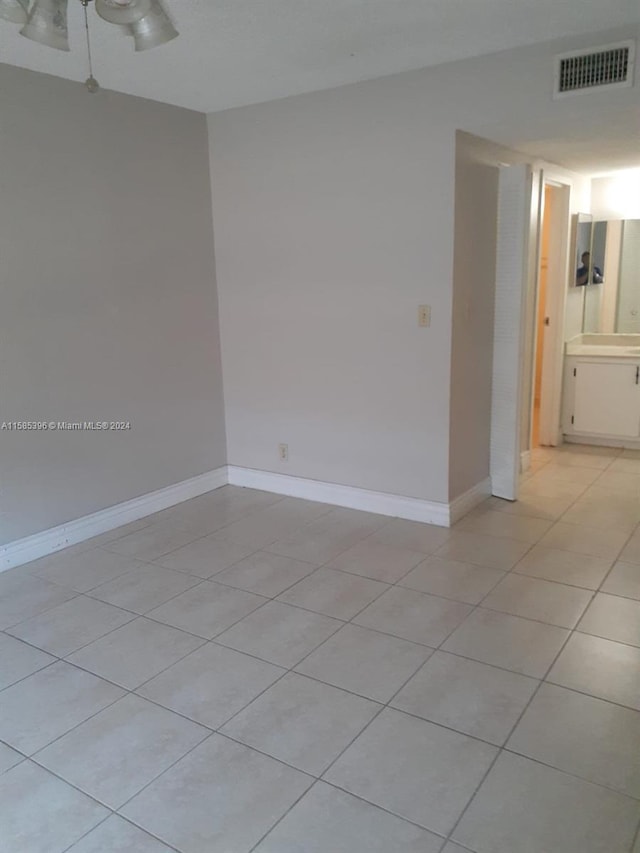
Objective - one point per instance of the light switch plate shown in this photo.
(424, 315)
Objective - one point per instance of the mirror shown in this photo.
(607, 271)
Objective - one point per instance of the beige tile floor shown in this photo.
(246, 673)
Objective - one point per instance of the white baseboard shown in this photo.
(396, 506)
(465, 502)
(52, 540)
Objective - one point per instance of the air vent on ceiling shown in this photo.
(585, 70)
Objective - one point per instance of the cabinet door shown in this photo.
(607, 399)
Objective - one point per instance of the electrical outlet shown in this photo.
(283, 452)
(424, 315)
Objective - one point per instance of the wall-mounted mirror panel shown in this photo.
(608, 270)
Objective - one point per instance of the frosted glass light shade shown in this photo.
(14, 11)
(47, 24)
(154, 29)
(123, 11)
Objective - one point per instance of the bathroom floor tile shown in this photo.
(85, 570)
(23, 596)
(504, 524)
(425, 538)
(583, 539)
(9, 758)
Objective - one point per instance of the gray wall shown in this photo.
(474, 267)
(108, 306)
(333, 220)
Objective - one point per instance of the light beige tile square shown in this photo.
(585, 540)
(571, 456)
(143, 588)
(156, 540)
(492, 552)
(614, 618)
(67, 627)
(279, 633)
(414, 769)
(519, 645)
(274, 522)
(9, 758)
(205, 557)
(377, 561)
(23, 595)
(42, 814)
(505, 525)
(354, 827)
(467, 696)
(334, 593)
(624, 579)
(533, 598)
(324, 538)
(601, 668)
(584, 736)
(626, 464)
(136, 652)
(117, 752)
(565, 567)
(206, 609)
(549, 507)
(85, 570)
(605, 509)
(451, 579)
(116, 835)
(413, 616)
(631, 551)
(211, 684)
(521, 799)
(302, 722)
(49, 703)
(265, 574)
(414, 535)
(366, 662)
(620, 481)
(17, 660)
(194, 808)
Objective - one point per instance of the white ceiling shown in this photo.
(236, 52)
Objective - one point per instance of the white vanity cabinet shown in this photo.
(601, 397)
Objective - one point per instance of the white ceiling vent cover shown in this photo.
(608, 67)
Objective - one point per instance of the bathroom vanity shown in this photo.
(601, 389)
